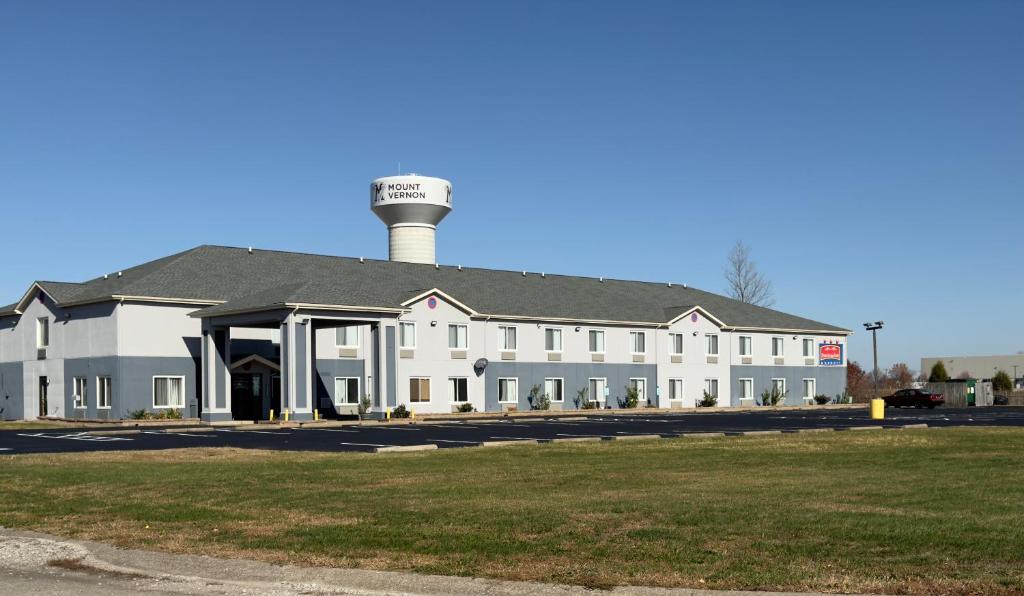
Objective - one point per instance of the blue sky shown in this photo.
(871, 153)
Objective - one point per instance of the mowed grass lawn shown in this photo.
(920, 511)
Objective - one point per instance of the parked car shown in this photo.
(917, 398)
(1000, 400)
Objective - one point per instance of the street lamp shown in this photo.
(873, 328)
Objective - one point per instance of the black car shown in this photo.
(917, 398)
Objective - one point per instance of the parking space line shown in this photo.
(453, 441)
(158, 432)
(515, 438)
(367, 444)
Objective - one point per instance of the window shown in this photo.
(779, 385)
(103, 386)
(346, 337)
(508, 391)
(745, 347)
(419, 390)
(641, 389)
(596, 341)
(746, 388)
(553, 389)
(712, 345)
(458, 389)
(458, 337)
(407, 335)
(675, 389)
(638, 342)
(778, 346)
(711, 386)
(808, 347)
(809, 388)
(168, 392)
(675, 344)
(42, 332)
(507, 338)
(81, 390)
(598, 388)
(346, 391)
(552, 339)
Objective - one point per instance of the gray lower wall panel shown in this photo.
(302, 377)
(576, 375)
(131, 383)
(830, 380)
(12, 391)
(327, 370)
(389, 347)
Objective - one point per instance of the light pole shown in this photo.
(873, 328)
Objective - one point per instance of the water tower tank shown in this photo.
(411, 206)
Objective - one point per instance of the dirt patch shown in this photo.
(82, 566)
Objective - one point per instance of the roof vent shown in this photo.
(362, 260)
(684, 285)
(670, 284)
(542, 274)
(250, 250)
(436, 266)
(106, 275)
(120, 273)
(600, 279)
(460, 267)
(524, 274)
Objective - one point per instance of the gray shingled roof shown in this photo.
(241, 281)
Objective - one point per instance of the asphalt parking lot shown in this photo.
(372, 437)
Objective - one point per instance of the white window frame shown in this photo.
(104, 387)
(358, 393)
(503, 338)
(355, 333)
(782, 346)
(641, 386)
(453, 386)
(674, 395)
(708, 383)
(814, 387)
(633, 337)
(169, 406)
(42, 323)
(515, 395)
(750, 345)
(599, 333)
(80, 392)
(749, 382)
(604, 386)
(561, 384)
(430, 390)
(402, 335)
(466, 336)
(561, 341)
(707, 344)
(672, 344)
(783, 384)
(808, 341)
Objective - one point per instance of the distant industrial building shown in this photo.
(979, 367)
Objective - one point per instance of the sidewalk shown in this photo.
(33, 563)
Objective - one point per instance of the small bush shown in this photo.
(1001, 382)
(364, 406)
(538, 400)
(632, 398)
(171, 414)
(708, 401)
(400, 412)
(140, 415)
(773, 396)
(844, 398)
(466, 407)
(590, 404)
(822, 399)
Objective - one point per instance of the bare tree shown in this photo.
(746, 283)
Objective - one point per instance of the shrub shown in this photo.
(364, 406)
(631, 399)
(171, 414)
(466, 407)
(140, 415)
(822, 399)
(400, 411)
(1002, 382)
(538, 400)
(844, 398)
(773, 396)
(938, 374)
(708, 401)
(590, 404)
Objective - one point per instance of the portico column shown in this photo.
(216, 377)
(297, 367)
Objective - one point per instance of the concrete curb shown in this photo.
(402, 448)
(634, 437)
(575, 440)
(754, 433)
(700, 435)
(914, 426)
(508, 443)
(865, 427)
(815, 430)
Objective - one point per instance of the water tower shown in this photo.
(411, 206)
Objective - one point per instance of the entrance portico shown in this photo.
(298, 373)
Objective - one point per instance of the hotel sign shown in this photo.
(830, 354)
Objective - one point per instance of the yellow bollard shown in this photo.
(412, 414)
(287, 414)
(387, 413)
(877, 409)
(316, 414)
(271, 415)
